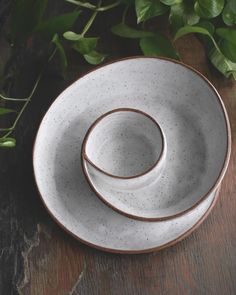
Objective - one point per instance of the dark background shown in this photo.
(39, 258)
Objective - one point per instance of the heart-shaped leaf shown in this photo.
(71, 36)
(7, 142)
(224, 65)
(85, 45)
(208, 8)
(4, 111)
(94, 57)
(125, 31)
(158, 46)
(146, 9)
(229, 13)
(228, 49)
(227, 34)
(57, 25)
(218, 59)
(228, 42)
(191, 29)
(182, 14)
(171, 2)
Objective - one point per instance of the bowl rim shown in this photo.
(215, 187)
(84, 155)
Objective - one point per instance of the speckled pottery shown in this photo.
(196, 127)
(125, 149)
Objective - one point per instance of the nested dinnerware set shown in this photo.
(130, 157)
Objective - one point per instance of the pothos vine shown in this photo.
(212, 20)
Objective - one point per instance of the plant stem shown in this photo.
(28, 99)
(93, 7)
(12, 98)
(5, 129)
(24, 106)
(125, 13)
(91, 20)
(110, 6)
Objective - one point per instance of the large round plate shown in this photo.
(152, 85)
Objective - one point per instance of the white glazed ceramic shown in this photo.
(189, 111)
(196, 128)
(125, 149)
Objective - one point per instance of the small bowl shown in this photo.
(125, 148)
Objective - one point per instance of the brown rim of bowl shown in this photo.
(99, 119)
(215, 185)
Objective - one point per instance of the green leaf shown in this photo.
(182, 14)
(207, 42)
(128, 2)
(222, 63)
(71, 36)
(228, 49)
(171, 2)
(208, 8)
(158, 46)
(196, 29)
(207, 25)
(57, 25)
(125, 31)
(94, 57)
(26, 14)
(225, 66)
(227, 34)
(4, 111)
(229, 13)
(85, 45)
(7, 142)
(146, 9)
(228, 42)
(191, 29)
(61, 50)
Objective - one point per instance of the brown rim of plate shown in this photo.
(214, 187)
(99, 119)
(149, 250)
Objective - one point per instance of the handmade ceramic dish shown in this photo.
(189, 111)
(125, 149)
(196, 130)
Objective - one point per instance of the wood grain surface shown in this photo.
(39, 258)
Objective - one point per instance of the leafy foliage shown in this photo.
(26, 15)
(181, 14)
(7, 142)
(125, 31)
(209, 8)
(146, 9)
(4, 111)
(213, 22)
(158, 45)
(229, 13)
(57, 25)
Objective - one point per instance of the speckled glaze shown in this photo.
(197, 132)
(125, 149)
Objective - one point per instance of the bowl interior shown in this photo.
(124, 143)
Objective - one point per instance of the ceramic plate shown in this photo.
(163, 89)
(195, 125)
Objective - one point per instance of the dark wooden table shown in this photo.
(39, 258)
